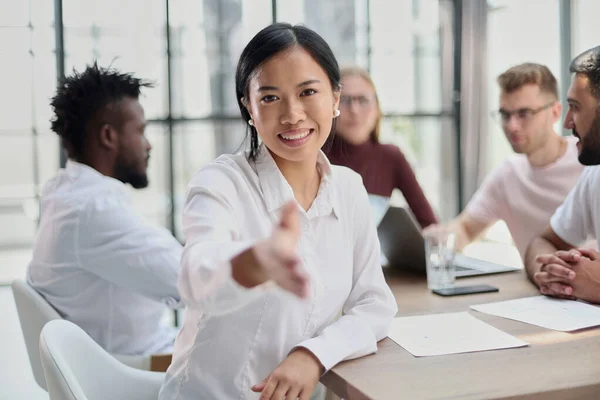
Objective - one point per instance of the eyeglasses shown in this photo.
(523, 115)
(361, 100)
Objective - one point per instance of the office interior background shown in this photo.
(434, 63)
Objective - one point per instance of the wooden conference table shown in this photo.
(555, 365)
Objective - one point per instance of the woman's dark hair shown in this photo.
(268, 42)
(588, 63)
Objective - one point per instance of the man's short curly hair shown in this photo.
(82, 99)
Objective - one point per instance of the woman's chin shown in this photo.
(306, 152)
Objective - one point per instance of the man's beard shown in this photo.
(590, 144)
(126, 173)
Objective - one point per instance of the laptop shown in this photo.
(379, 205)
(403, 245)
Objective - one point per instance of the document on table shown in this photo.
(437, 334)
(547, 312)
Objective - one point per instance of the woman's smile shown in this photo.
(295, 137)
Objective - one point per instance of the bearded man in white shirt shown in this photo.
(95, 260)
(553, 261)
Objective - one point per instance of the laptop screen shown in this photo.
(379, 205)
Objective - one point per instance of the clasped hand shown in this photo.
(572, 274)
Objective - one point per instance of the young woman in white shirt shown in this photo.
(280, 271)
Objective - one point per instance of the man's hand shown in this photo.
(585, 264)
(548, 243)
(465, 227)
(277, 257)
(296, 377)
(431, 228)
(556, 274)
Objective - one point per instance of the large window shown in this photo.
(28, 150)
(586, 30)
(406, 64)
(192, 109)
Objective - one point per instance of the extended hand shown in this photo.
(277, 255)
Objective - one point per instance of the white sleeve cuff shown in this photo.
(206, 283)
(335, 344)
(320, 348)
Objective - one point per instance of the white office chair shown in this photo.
(34, 312)
(77, 368)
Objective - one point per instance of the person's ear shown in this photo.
(556, 111)
(109, 137)
(246, 104)
(336, 99)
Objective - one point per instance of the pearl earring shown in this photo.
(251, 122)
(336, 113)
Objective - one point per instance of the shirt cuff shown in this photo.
(322, 350)
(206, 282)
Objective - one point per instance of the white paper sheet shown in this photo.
(557, 314)
(437, 334)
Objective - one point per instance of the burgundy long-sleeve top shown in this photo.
(383, 168)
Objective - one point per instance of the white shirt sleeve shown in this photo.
(370, 307)
(117, 245)
(573, 220)
(212, 237)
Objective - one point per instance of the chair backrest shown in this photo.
(77, 368)
(34, 312)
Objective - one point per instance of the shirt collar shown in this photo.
(77, 170)
(277, 191)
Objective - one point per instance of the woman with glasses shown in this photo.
(356, 145)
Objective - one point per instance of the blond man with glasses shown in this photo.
(527, 187)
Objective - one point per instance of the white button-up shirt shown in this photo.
(232, 337)
(101, 266)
